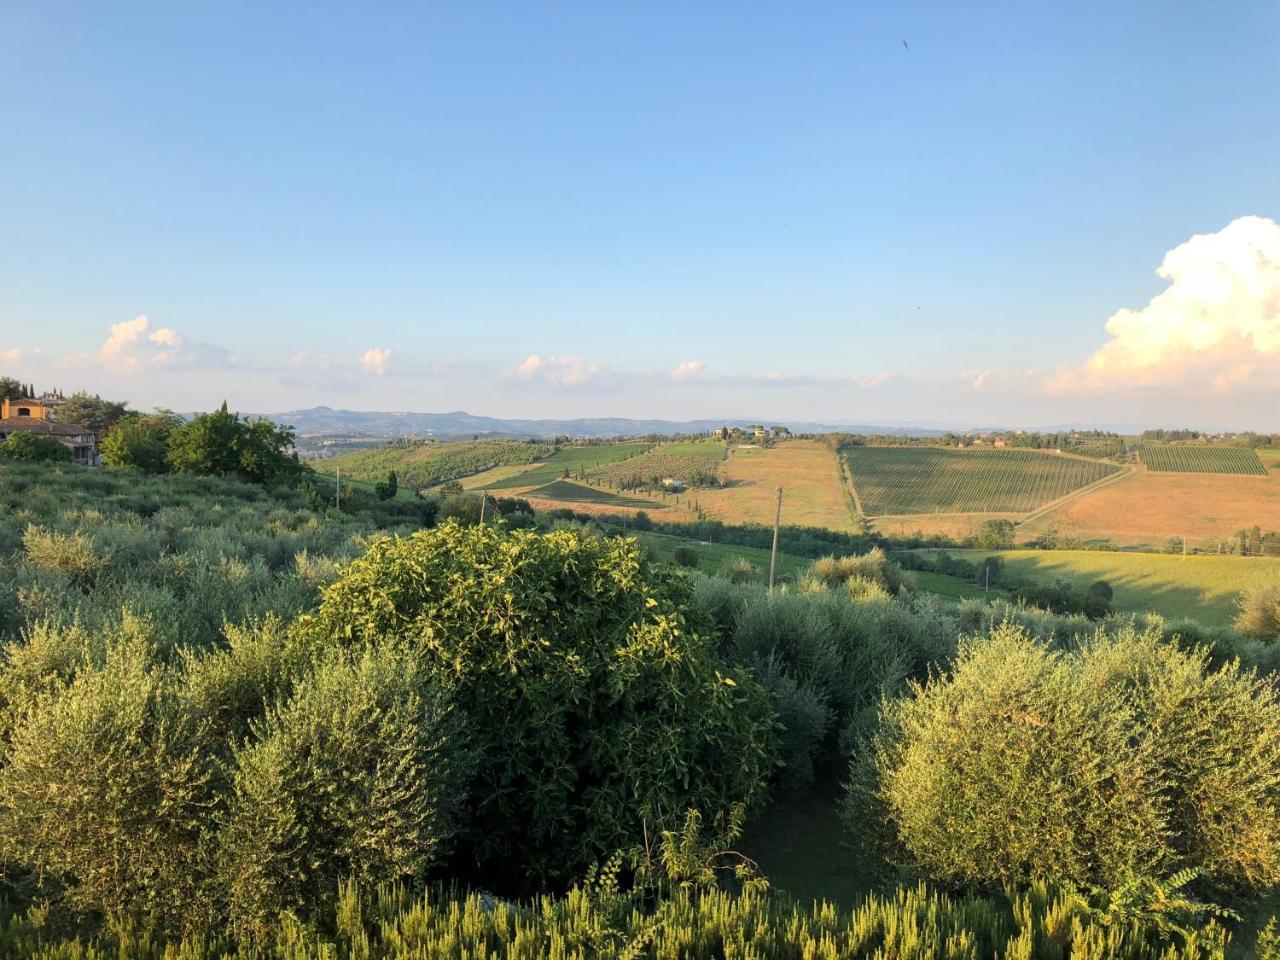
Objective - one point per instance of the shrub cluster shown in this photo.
(1126, 757)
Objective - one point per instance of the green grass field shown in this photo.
(1200, 588)
(1270, 458)
(570, 492)
(1167, 458)
(713, 556)
(895, 481)
(575, 460)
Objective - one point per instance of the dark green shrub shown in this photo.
(34, 448)
(591, 704)
(686, 557)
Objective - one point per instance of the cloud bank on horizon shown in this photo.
(1216, 327)
(1213, 332)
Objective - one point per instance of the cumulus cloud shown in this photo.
(375, 361)
(11, 355)
(1215, 328)
(559, 371)
(132, 345)
(688, 369)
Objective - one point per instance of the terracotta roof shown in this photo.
(36, 425)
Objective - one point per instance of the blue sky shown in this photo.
(406, 207)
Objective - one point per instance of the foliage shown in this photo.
(599, 922)
(141, 441)
(386, 489)
(189, 554)
(994, 535)
(105, 788)
(13, 389)
(874, 566)
(686, 557)
(826, 659)
(360, 773)
(590, 703)
(92, 412)
(1125, 758)
(223, 444)
(34, 448)
(1259, 613)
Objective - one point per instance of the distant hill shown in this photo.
(325, 421)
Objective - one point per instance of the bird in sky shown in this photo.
(904, 44)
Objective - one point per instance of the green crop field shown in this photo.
(911, 480)
(691, 461)
(570, 492)
(1165, 458)
(421, 465)
(575, 460)
(1201, 588)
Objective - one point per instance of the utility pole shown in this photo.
(773, 553)
(483, 498)
(337, 488)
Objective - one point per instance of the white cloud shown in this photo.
(116, 354)
(1216, 328)
(531, 365)
(689, 369)
(132, 346)
(560, 371)
(375, 361)
(12, 355)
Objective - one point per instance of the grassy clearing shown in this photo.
(713, 556)
(808, 472)
(571, 460)
(1167, 458)
(1203, 589)
(804, 850)
(1150, 508)
(569, 492)
(916, 480)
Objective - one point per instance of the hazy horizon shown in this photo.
(824, 213)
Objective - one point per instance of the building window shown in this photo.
(24, 411)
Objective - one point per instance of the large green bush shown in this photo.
(1125, 758)
(106, 790)
(360, 774)
(592, 705)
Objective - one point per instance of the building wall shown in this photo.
(32, 408)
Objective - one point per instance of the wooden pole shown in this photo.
(773, 553)
(337, 487)
(483, 497)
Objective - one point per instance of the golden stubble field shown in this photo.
(1152, 507)
(813, 492)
